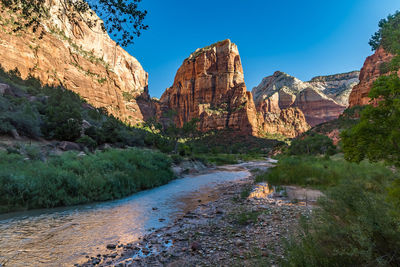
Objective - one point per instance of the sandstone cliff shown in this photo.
(210, 86)
(369, 73)
(80, 58)
(322, 99)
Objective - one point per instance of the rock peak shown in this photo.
(226, 44)
(322, 99)
(210, 86)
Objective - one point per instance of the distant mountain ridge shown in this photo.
(322, 99)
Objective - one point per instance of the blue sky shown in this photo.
(303, 38)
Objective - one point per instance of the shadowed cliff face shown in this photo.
(210, 86)
(322, 99)
(369, 73)
(82, 59)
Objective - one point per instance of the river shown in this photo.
(64, 236)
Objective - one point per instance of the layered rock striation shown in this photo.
(210, 86)
(322, 99)
(81, 58)
(370, 71)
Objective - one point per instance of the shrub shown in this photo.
(354, 226)
(312, 144)
(63, 118)
(87, 142)
(69, 179)
(321, 172)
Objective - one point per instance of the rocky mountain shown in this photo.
(369, 73)
(322, 99)
(210, 85)
(81, 58)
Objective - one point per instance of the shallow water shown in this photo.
(62, 237)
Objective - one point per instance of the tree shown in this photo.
(388, 34)
(170, 131)
(123, 19)
(62, 116)
(377, 135)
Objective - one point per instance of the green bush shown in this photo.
(62, 115)
(320, 172)
(312, 144)
(354, 225)
(87, 142)
(176, 159)
(69, 179)
(23, 117)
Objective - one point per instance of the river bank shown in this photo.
(239, 228)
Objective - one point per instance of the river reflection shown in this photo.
(61, 237)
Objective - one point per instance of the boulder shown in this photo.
(69, 146)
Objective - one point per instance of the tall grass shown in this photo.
(69, 179)
(321, 172)
(357, 223)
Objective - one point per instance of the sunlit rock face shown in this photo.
(210, 86)
(369, 73)
(322, 99)
(289, 122)
(82, 59)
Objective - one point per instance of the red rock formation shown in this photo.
(82, 59)
(289, 122)
(210, 86)
(369, 73)
(316, 107)
(322, 99)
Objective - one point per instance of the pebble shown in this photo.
(205, 238)
(111, 246)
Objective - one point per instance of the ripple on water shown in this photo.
(64, 236)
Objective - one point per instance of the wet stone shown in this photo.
(111, 246)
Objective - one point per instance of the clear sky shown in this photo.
(302, 38)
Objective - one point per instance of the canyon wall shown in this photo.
(210, 86)
(370, 71)
(81, 58)
(322, 99)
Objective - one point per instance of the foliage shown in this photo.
(388, 35)
(229, 142)
(312, 144)
(377, 135)
(22, 117)
(87, 142)
(318, 172)
(34, 111)
(123, 20)
(69, 179)
(170, 131)
(355, 225)
(63, 118)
